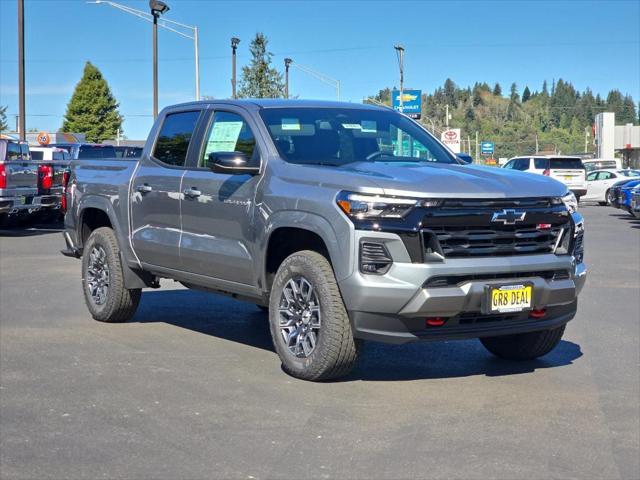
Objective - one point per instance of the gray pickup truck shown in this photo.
(26, 186)
(346, 222)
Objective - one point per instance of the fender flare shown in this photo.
(338, 254)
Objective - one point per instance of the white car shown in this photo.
(49, 153)
(600, 181)
(568, 170)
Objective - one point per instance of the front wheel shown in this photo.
(103, 281)
(524, 346)
(309, 324)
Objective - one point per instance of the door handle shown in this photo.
(144, 188)
(191, 192)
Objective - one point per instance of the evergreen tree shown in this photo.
(450, 93)
(526, 94)
(514, 102)
(497, 90)
(545, 89)
(3, 119)
(92, 110)
(627, 111)
(259, 79)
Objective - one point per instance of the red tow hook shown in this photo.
(435, 321)
(538, 313)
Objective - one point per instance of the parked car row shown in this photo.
(32, 179)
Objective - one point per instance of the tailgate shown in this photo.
(568, 176)
(22, 177)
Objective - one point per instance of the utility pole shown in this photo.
(586, 139)
(537, 148)
(22, 127)
(287, 64)
(477, 147)
(447, 117)
(234, 46)
(400, 54)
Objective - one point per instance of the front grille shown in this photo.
(578, 247)
(453, 280)
(466, 228)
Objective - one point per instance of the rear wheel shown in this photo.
(309, 324)
(608, 197)
(524, 346)
(103, 281)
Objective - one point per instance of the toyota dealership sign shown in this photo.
(451, 138)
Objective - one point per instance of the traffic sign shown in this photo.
(411, 102)
(486, 148)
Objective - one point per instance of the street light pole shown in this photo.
(320, 76)
(287, 64)
(155, 67)
(157, 8)
(21, 90)
(176, 27)
(234, 46)
(400, 53)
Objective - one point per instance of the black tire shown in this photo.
(335, 350)
(264, 308)
(602, 204)
(609, 199)
(524, 346)
(118, 304)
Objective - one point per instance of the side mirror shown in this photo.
(231, 163)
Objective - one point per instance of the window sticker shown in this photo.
(224, 137)
(369, 126)
(352, 126)
(290, 124)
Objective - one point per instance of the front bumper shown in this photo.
(393, 307)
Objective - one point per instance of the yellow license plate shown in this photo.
(568, 178)
(510, 298)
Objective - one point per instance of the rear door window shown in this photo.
(541, 163)
(37, 155)
(566, 163)
(174, 138)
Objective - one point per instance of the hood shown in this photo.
(463, 181)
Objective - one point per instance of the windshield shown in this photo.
(339, 136)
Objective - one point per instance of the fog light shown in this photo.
(538, 313)
(436, 321)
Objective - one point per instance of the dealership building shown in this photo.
(617, 140)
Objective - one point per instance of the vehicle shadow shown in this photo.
(240, 322)
(30, 228)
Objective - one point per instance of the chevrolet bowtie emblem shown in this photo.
(508, 216)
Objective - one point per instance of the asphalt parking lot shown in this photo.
(191, 388)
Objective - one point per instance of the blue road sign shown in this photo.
(486, 148)
(411, 102)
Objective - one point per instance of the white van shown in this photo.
(568, 170)
(49, 153)
(602, 164)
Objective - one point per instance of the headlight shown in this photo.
(364, 206)
(570, 201)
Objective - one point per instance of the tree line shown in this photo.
(557, 118)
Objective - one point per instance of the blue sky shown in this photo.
(595, 44)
